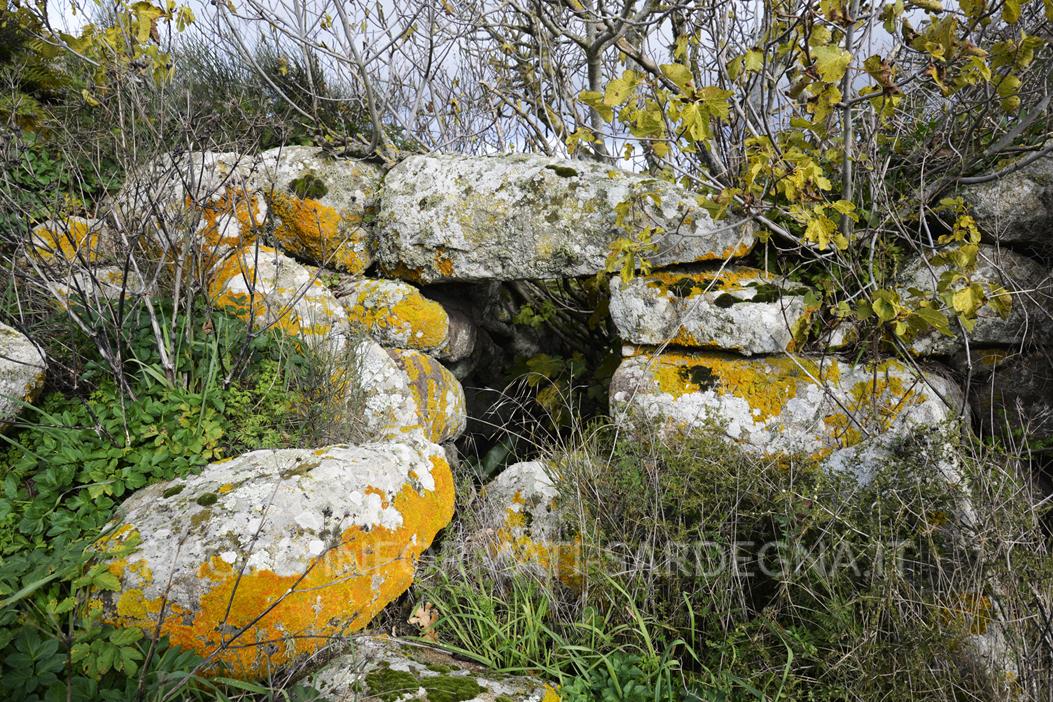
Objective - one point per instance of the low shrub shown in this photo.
(710, 574)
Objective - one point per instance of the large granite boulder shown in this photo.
(838, 412)
(382, 668)
(22, 368)
(261, 561)
(1017, 208)
(1029, 284)
(324, 207)
(447, 218)
(735, 309)
(436, 392)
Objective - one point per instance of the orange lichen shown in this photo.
(317, 231)
(443, 262)
(229, 221)
(255, 621)
(437, 393)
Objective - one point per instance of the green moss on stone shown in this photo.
(207, 499)
(308, 186)
(562, 171)
(389, 685)
(174, 490)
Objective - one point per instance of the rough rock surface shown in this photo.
(736, 309)
(271, 289)
(449, 218)
(198, 204)
(72, 240)
(1017, 208)
(21, 372)
(324, 206)
(1029, 283)
(275, 552)
(97, 286)
(437, 393)
(773, 405)
(381, 668)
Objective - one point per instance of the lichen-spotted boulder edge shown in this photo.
(198, 205)
(1028, 283)
(71, 240)
(262, 560)
(436, 392)
(22, 367)
(1018, 207)
(382, 668)
(735, 309)
(521, 525)
(324, 207)
(261, 284)
(446, 218)
(394, 314)
(784, 405)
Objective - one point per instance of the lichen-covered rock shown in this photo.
(262, 560)
(97, 286)
(1028, 282)
(781, 404)
(260, 284)
(449, 218)
(437, 393)
(382, 668)
(22, 368)
(197, 205)
(734, 309)
(1016, 208)
(71, 240)
(395, 314)
(521, 525)
(324, 206)
(460, 343)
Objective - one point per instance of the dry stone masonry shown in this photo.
(258, 561)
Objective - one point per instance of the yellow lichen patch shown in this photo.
(396, 313)
(71, 240)
(437, 393)
(550, 694)
(256, 621)
(316, 231)
(766, 385)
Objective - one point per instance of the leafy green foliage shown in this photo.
(64, 473)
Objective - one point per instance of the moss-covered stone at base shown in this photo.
(386, 669)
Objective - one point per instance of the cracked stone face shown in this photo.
(279, 550)
(737, 309)
(449, 218)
